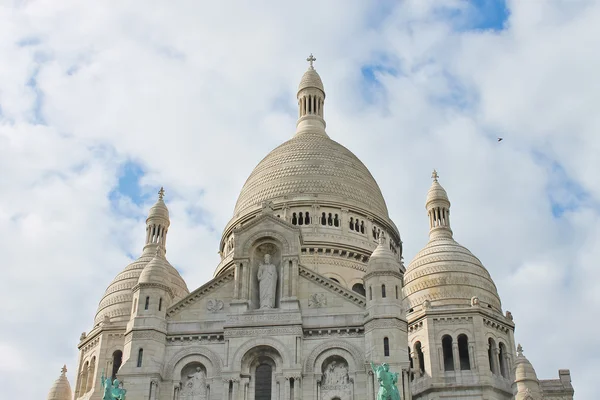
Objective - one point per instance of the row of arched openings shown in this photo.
(311, 104)
(155, 233)
(499, 363)
(420, 361)
(356, 225)
(88, 372)
(463, 353)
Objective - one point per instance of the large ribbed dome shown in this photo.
(312, 165)
(118, 298)
(446, 273)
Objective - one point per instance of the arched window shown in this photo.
(374, 233)
(370, 293)
(84, 378)
(117, 359)
(491, 350)
(294, 219)
(335, 280)
(351, 223)
(463, 352)
(447, 351)
(386, 347)
(336, 221)
(323, 219)
(306, 218)
(147, 303)
(90, 377)
(330, 220)
(140, 356)
(362, 226)
(359, 288)
(300, 219)
(160, 304)
(356, 226)
(383, 291)
(420, 357)
(263, 382)
(396, 292)
(502, 359)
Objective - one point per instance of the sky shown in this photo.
(102, 103)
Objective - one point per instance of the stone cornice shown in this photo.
(202, 291)
(332, 286)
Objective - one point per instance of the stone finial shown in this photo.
(82, 336)
(267, 207)
(63, 371)
(509, 315)
(311, 59)
(435, 175)
(161, 193)
(520, 350)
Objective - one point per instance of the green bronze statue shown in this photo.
(387, 382)
(112, 391)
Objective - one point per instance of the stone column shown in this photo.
(237, 281)
(235, 384)
(244, 383)
(472, 358)
(456, 356)
(225, 389)
(370, 386)
(295, 274)
(318, 386)
(496, 361)
(153, 389)
(287, 385)
(176, 390)
(285, 278)
(297, 387)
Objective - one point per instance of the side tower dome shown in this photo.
(117, 300)
(526, 385)
(61, 390)
(315, 183)
(444, 273)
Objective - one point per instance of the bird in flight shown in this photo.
(500, 139)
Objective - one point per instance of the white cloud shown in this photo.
(198, 95)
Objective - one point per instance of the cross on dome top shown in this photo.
(435, 175)
(520, 350)
(63, 370)
(161, 193)
(311, 59)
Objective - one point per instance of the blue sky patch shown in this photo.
(371, 89)
(477, 15)
(128, 185)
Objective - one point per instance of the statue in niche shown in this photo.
(267, 283)
(336, 374)
(195, 387)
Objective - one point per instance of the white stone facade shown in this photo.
(342, 297)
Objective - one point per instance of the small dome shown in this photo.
(436, 192)
(118, 298)
(311, 79)
(382, 258)
(524, 371)
(61, 390)
(156, 271)
(159, 209)
(446, 273)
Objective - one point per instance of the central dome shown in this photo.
(309, 166)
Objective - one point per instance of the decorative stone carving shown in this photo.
(474, 301)
(509, 315)
(317, 300)
(83, 336)
(336, 373)
(267, 281)
(214, 305)
(426, 304)
(195, 387)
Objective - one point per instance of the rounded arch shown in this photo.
(207, 357)
(330, 348)
(261, 342)
(286, 247)
(337, 277)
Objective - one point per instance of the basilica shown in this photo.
(311, 289)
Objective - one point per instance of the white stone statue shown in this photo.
(195, 387)
(336, 374)
(267, 283)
